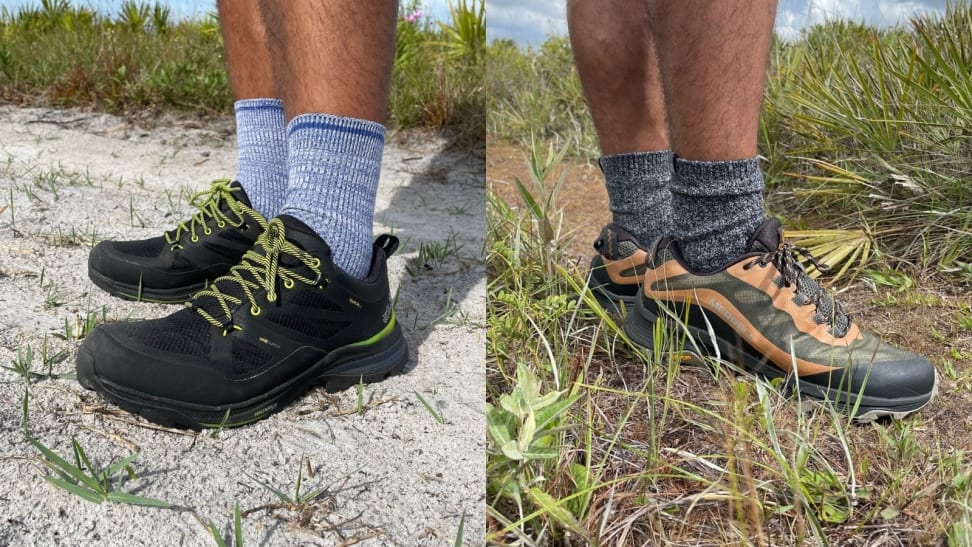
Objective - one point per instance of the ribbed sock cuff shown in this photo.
(638, 192)
(716, 205)
(334, 166)
(261, 161)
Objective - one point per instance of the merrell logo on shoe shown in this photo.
(386, 315)
(723, 312)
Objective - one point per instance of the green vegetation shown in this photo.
(139, 59)
(862, 129)
(592, 441)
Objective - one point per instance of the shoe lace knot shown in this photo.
(258, 270)
(208, 204)
(808, 292)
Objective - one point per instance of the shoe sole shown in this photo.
(615, 304)
(639, 326)
(176, 295)
(333, 373)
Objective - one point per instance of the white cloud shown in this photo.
(526, 23)
(529, 23)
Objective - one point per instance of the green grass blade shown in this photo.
(81, 492)
(438, 417)
(114, 468)
(132, 499)
(280, 495)
(238, 525)
(62, 467)
(462, 530)
(217, 537)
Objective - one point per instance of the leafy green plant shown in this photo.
(299, 496)
(523, 430)
(465, 33)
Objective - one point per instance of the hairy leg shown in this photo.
(247, 52)
(618, 66)
(713, 64)
(332, 56)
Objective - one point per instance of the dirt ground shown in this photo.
(398, 476)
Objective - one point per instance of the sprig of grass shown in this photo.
(82, 479)
(435, 414)
(237, 530)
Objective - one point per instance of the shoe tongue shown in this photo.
(238, 195)
(304, 237)
(766, 238)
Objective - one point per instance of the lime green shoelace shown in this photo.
(261, 269)
(207, 201)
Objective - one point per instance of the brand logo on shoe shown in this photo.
(354, 303)
(269, 343)
(386, 315)
(731, 318)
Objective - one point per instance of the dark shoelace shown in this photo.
(828, 311)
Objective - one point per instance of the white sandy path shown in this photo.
(410, 479)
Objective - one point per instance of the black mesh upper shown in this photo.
(145, 248)
(247, 357)
(184, 333)
(313, 298)
(318, 328)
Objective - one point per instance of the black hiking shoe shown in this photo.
(283, 320)
(766, 315)
(174, 266)
(618, 269)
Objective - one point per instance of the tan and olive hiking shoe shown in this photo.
(617, 270)
(766, 315)
(175, 265)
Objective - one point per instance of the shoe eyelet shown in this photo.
(221, 224)
(254, 311)
(288, 283)
(316, 263)
(194, 239)
(208, 231)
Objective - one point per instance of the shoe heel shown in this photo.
(639, 324)
(368, 369)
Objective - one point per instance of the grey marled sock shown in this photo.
(637, 186)
(717, 205)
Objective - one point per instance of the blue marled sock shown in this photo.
(261, 153)
(334, 164)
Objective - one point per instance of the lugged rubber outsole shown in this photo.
(332, 376)
(639, 326)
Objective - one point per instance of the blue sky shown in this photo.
(191, 8)
(529, 22)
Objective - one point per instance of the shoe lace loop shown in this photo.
(208, 204)
(785, 259)
(258, 270)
